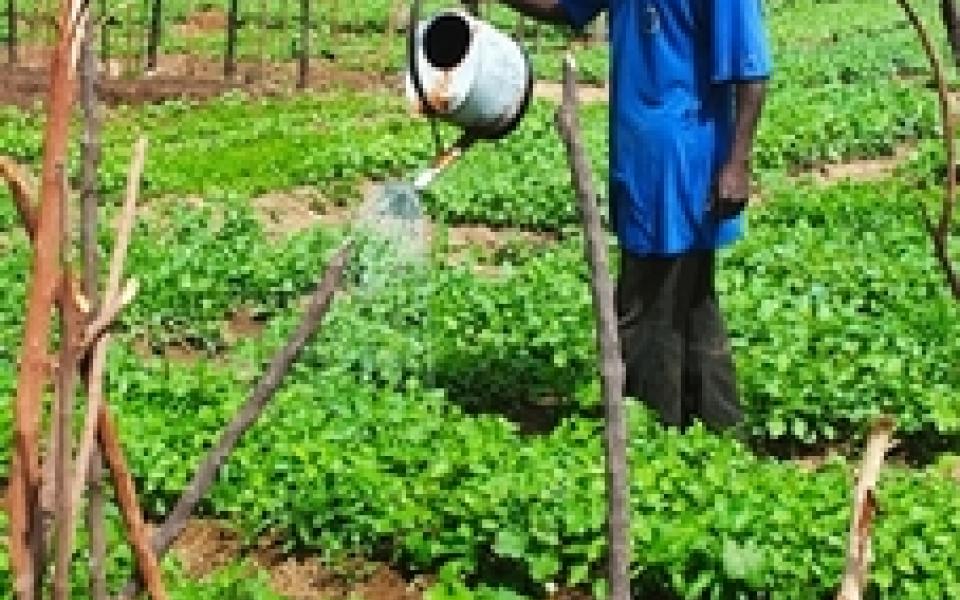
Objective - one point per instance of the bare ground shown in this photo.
(871, 169)
(585, 93)
(285, 213)
(206, 546)
(182, 76)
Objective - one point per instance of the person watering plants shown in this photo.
(688, 82)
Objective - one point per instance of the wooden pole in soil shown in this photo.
(25, 530)
(90, 152)
(304, 70)
(153, 39)
(12, 31)
(611, 366)
(230, 59)
(251, 410)
(105, 21)
(854, 581)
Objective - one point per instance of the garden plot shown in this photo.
(449, 425)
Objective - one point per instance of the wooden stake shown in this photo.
(88, 458)
(303, 71)
(12, 31)
(611, 365)
(251, 410)
(25, 526)
(864, 508)
(71, 320)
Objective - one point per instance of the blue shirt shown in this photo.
(672, 113)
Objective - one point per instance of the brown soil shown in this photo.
(204, 21)
(489, 238)
(284, 213)
(463, 239)
(870, 169)
(244, 324)
(586, 94)
(183, 77)
(206, 546)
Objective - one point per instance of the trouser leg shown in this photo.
(652, 294)
(710, 375)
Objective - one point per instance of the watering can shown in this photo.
(465, 72)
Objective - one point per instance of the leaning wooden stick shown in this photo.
(864, 507)
(611, 367)
(940, 232)
(248, 414)
(147, 562)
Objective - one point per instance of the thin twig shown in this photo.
(89, 435)
(23, 193)
(126, 219)
(941, 231)
(109, 313)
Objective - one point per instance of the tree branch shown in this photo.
(940, 232)
(251, 410)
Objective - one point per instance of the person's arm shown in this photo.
(741, 59)
(734, 179)
(549, 11)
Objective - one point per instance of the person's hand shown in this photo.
(731, 190)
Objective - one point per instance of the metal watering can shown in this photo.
(465, 72)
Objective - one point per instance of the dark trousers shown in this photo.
(674, 342)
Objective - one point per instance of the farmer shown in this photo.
(687, 87)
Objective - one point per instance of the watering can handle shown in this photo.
(415, 72)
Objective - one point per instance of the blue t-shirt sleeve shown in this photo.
(741, 50)
(581, 12)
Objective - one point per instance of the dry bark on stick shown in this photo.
(87, 446)
(25, 527)
(611, 367)
(67, 370)
(940, 232)
(147, 563)
(88, 458)
(864, 508)
(23, 193)
(251, 410)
